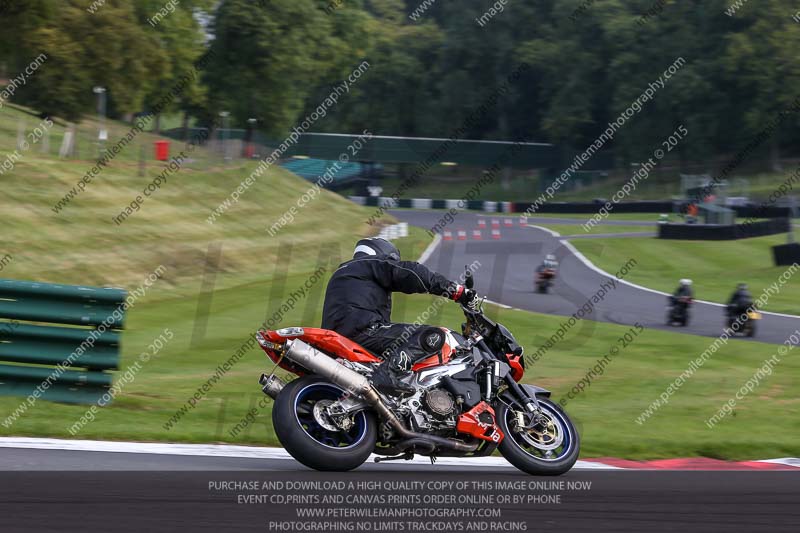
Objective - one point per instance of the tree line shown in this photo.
(275, 60)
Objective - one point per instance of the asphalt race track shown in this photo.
(507, 270)
(87, 491)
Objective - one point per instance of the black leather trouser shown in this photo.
(387, 340)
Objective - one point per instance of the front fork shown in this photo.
(529, 402)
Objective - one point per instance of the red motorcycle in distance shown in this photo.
(544, 280)
(467, 402)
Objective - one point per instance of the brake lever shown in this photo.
(476, 307)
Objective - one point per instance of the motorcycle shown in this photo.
(747, 326)
(678, 310)
(544, 280)
(467, 402)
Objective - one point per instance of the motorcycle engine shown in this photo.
(440, 402)
(432, 410)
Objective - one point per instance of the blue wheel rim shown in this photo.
(565, 427)
(304, 403)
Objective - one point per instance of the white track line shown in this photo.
(591, 265)
(789, 461)
(430, 249)
(548, 230)
(229, 450)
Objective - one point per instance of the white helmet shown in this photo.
(686, 282)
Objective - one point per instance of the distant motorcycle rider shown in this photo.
(358, 305)
(684, 290)
(740, 300)
(549, 263)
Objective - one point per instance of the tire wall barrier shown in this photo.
(593, 207)
(589, 208)
(713, 232)
(512, 207)
(755, 211)
(786, 254)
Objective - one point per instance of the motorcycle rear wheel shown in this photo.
(551, 452)
(541, 288)
(316, 442)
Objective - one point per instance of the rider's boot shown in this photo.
(386, 377)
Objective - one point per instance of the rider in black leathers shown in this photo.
(684, 290)
(680, 301)
(549, 263)
(740, 300)
(358, 305)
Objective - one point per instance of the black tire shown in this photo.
(751, 328)
(517, 455)
(541, 288)
(294, 426)
(685, 319)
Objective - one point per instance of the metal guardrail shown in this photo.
(60, 339)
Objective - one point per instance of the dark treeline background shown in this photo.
(276, 60)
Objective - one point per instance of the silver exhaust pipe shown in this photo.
(271, 385)
(320, 363)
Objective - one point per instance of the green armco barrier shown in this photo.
(59, 304)
(68, 357)
(48, 345)
(72, 386)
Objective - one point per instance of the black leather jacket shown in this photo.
(359, 293)
(740, 299)
(683, 290)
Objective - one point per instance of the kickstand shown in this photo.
(406, 456)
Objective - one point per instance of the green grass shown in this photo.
(83, 246)
(575, 229)
(605, 412)
(14, 118)
(714, 266)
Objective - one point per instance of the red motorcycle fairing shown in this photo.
(325, 340)
(547, 273)
(517, 366)
(333, 343)
(438, 359)
(481, 423)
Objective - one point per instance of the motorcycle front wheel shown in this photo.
(548, 448)
(311, 437)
